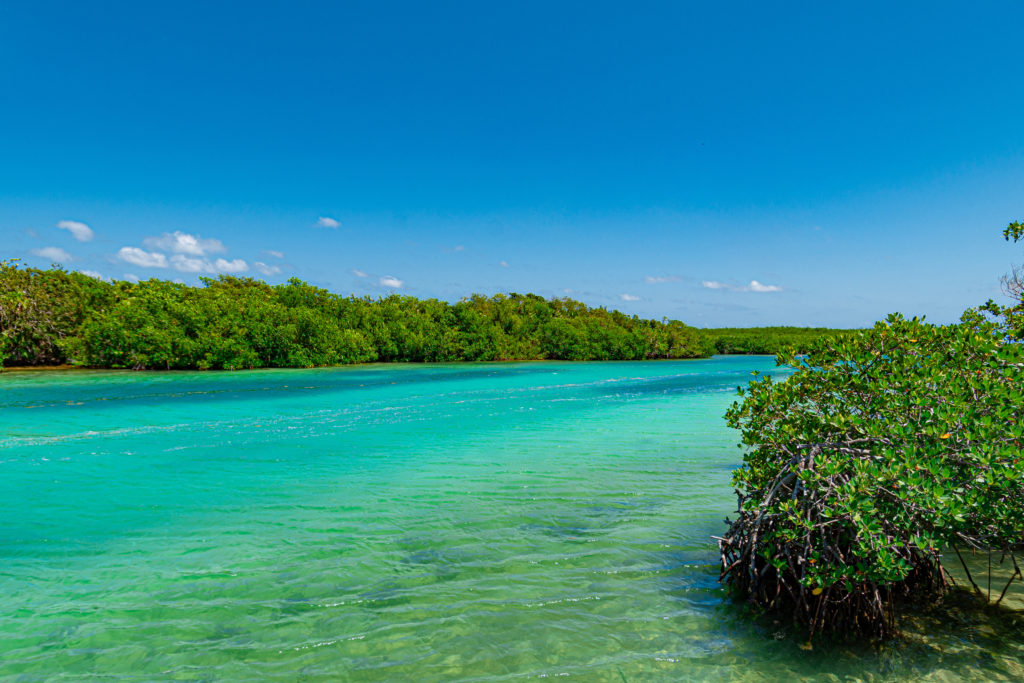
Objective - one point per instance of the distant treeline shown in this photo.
(55, 317)
(768, 340)
(50, 317)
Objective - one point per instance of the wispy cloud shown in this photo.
(264, 269)
(754, 286)
(659, 279)
(92, 274)
(629, 297)
(131, 277)
(80, 231)
(391, 281)
(325, 222)
(359, 273)
(179, 242)
(503, 264)
(55, 254)
(275, 254)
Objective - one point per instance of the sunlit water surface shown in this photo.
(471, 522)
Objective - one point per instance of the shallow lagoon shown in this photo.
(472, 522)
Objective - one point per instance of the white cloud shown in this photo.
(131, 277)
(658, 279)
(55, 254)
(325, 222)
(183, 243)
(186, 264)
(359, 273)
(275, 254)
(80, 231)
(503, 264)
(92, 274)
(264, 269)
(188, 254)
(235, 266)
(390, 281)
(629, 297)
(754, 286)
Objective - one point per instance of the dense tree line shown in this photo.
(887, 452)
(767, 340)
(54, 316)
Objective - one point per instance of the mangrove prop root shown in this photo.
(767, 566)
(1016, 574)
(864, 608)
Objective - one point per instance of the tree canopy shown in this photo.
(54, 316)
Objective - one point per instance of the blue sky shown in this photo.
(721, 164)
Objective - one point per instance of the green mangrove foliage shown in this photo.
(767, 340)
(41, 310)
(885, 452)
(883, 448)
(54, 316)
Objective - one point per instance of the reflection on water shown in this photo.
(471, 522)
(991, 572)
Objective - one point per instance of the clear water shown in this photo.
(470, 522)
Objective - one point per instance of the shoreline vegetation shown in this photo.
(58, 318)
(881, 451)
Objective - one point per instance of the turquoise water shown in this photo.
(471, 522)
